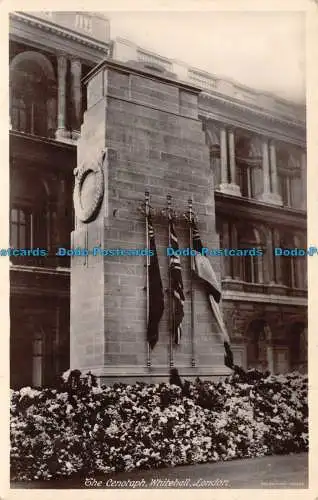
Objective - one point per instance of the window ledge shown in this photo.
(257, 296)
(40, 270)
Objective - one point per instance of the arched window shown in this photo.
(32, 94)
(249, 239)
(289, 175)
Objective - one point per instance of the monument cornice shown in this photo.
(262, 129)
(254, 109)
(92, 49)
(128, 69)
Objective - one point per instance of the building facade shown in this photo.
(257, 148)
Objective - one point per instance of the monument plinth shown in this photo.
(140, 133)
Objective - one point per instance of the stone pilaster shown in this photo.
(269, 271)
(273, 169)
(227, 145)
(61, 132)
(76, 72)
(232, 155)
(223, 153)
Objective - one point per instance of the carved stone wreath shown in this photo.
(87, 207)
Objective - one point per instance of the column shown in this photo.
(51, 109)
(276, 198)
(76, 71)
(223, 154)
(236, 261)
(232, 156)
(277, 260)
(61, 132)
(272, 152)
(269, 258)
(235, 189)
(226, 244)
(269, 175)
(299, 266)
(265, 165)
(228, 185)
(37, 360)
(303, 174)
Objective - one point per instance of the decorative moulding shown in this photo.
(86, 209)
(61, 32)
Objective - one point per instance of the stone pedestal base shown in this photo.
(156, 374)
(271, 198)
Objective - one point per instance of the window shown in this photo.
(32, 89)
(28, 105)
(288, 271)
(248, 156)
(245, 180)
(21, 228)
(288, 263)
(250, 270)
(251, 265)
(285, 189)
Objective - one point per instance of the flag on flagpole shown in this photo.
(204, 270)
(176, 284)
(155, 289)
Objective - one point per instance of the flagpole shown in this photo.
(171, 310)
(147, 210)
(191, 282)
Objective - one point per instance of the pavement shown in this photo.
(275, 472)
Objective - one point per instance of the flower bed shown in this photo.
(58, 433)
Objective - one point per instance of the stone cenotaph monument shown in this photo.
(141, 132)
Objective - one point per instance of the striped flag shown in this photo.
(204, 270)
(176, 284)
(156, 297)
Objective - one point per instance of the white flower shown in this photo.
(66, 375)
(68, 410)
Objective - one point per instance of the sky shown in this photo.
(263, 50)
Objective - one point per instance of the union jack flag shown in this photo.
(176, 284)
